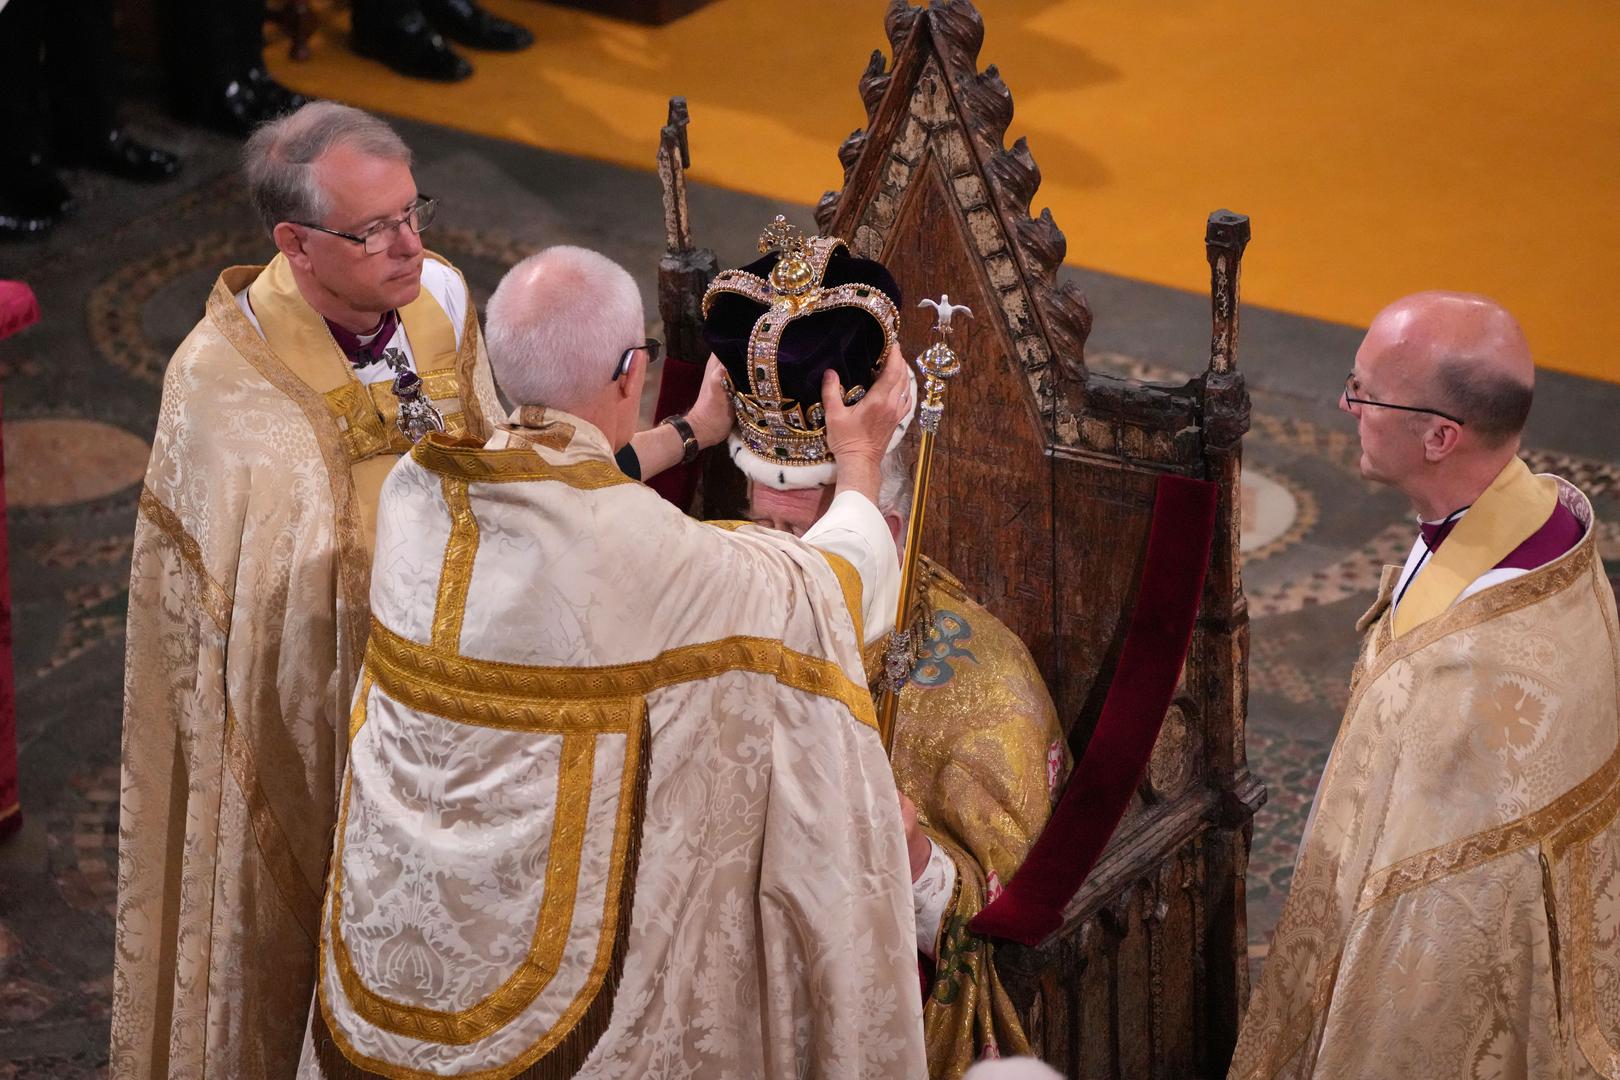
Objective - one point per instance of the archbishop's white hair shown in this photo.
(557, 325)
(1014, 1068)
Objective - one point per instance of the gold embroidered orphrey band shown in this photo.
(559, 700)
(470, 462)
(556, 916)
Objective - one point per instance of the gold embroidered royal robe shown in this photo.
(979, 748)
(1455, 909)
(247, 616)
(616, 805)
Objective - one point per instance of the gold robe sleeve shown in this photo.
(979, 749)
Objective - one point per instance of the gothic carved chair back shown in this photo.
(1041, 500)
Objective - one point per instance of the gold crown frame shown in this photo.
(782, 430)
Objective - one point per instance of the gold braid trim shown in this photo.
(216, 600)
(521, 697)
(1503, 599)
(556, 916)
(300, 898)
(1589, 1035)
(473, 464)
(466, 364)
(451, 606)
(1425, 868)
(357, 711)
(353, 558)
(561, 1052)
(849, 581)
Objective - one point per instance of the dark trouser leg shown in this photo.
(202, 42)
(31, 194)
(80, 68)
(81, 76)
(22, 77)
(249, 32)
(369, 16)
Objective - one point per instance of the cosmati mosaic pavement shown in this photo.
(80, 399)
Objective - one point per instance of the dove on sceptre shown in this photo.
(945, 311)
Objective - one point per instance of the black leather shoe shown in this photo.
(30, 188)
(114, 152)
(233, 108)
(32, 196)
(273, 99)
(411, 47)
(465, 23)
(17, 226)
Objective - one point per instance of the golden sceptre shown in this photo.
(938, 364)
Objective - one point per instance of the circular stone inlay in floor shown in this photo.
(1269, 509)
(56, 462)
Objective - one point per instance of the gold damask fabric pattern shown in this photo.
(1455, 910)
(979, 748)
(616, 805)
(247, 617)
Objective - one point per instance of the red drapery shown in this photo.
(17, 310)
(1099, 789)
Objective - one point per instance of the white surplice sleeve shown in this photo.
(853, 528)
(930, 896)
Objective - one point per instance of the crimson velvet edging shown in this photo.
(1031, 907)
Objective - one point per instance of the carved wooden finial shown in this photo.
(931, 102)
(1225, 237)
(674, 158)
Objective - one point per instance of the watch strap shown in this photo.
(688, 437)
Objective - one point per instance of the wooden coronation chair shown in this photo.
(1129, 960)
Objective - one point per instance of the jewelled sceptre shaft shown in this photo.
(938, 364)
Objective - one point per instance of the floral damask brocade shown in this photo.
(979, 749)
(1455, 909)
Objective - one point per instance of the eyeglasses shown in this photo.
(655, 349)
(381, 236)
(1350, 398)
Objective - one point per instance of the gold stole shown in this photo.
(1513, 508)
(365, 415)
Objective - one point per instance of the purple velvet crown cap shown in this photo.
(846, 340)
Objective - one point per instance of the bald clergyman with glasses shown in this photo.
(1454, 905)
(248, 603)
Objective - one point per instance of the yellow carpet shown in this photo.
(1381, 146)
